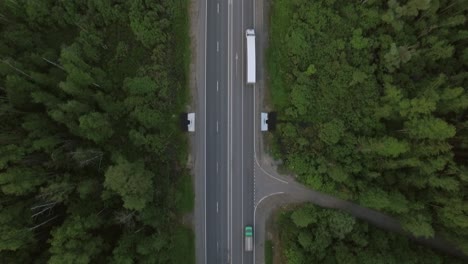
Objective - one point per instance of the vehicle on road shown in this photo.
(248, 232)
(191, 122)
(264, 121)
(251, 68)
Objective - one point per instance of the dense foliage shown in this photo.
(313, 235)
(371, 100)
(92, 163)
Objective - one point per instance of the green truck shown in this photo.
(248, 233)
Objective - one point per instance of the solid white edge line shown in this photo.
(230, 33)
(228, 142)
(204, 145)
(268, 174)
(255, 215)
(255, 116)
(264, 197)
(242, 125)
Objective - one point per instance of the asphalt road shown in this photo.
(216, 139)
(224, 149)
(242, 133)
(224, 139)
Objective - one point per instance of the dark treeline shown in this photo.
(92, 164)
(313, 235)
(382, 87)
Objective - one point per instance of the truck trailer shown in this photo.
(250, 36)
(248, 233)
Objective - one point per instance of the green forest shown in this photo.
(372, 106)
(92, 160)
(309, 234)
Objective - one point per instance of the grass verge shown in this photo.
(268, 252)
(182, 54)
(185, 195)
(183, 249)
(281, 11)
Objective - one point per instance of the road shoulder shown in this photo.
(196, 140)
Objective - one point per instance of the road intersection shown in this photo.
(226, 130)
(236, 183)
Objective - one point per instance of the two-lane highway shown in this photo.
(242, 133)
(224, 140)
(224, 155)
(216, 130)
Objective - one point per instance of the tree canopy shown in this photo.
(334, 237)
(92, 163)
(371, 101)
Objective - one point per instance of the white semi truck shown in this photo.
(250, 35)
